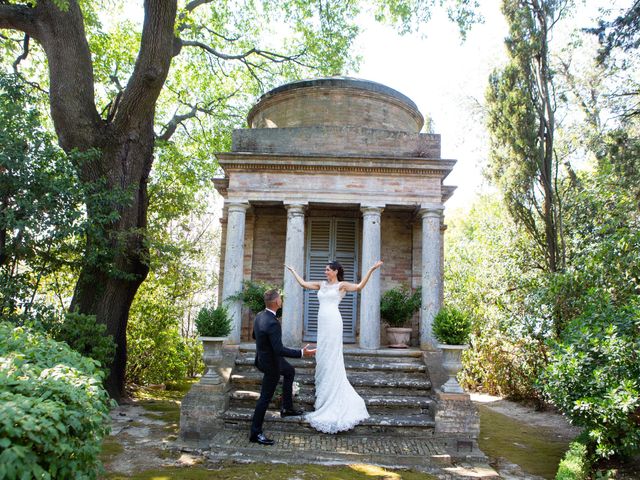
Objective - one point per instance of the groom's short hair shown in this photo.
(271, 295)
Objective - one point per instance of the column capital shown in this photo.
(371, 209)
(295, 209)
(433, 210)
(236, 206)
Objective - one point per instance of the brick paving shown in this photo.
(342, 444)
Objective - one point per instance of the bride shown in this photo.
(338, 407)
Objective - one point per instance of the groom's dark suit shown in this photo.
(269, 353)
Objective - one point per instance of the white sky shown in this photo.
(447, 80)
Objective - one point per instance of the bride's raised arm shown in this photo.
(302, 282)
(356, 287)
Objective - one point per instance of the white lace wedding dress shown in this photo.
(338, 407)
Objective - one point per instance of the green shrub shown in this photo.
(500, 363)
(452, 326)
(86, 336)
(593, 376)
(398, 305)
(252, 295)
(54, 411)
(158, 353)
(213, 322)
(575, 465)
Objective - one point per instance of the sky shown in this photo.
(447, 79)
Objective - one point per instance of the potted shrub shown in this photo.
(452, 328)
(397, 306)
(252, 295)
(213, 325)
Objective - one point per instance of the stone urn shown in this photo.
(398, 337)
(452, 363)
(212, 357)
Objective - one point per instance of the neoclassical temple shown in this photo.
(334, 168)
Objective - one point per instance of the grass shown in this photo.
(278, 472)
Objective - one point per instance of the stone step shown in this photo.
(417, 425)
(382, 380)
(353, 363)
(375, 403)
(405, 354)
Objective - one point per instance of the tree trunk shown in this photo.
(115, 262)
(107, 288)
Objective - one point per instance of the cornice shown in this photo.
(239, 161)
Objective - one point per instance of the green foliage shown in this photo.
(158, 350)
(502, 364)
(593, 376)
(452, 326)
(39, 195)
(399, 304)
(54, 412)
(85, 336)
(252, 295)
(575, 465)
(213, 322)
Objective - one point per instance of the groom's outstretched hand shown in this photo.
(308, 352)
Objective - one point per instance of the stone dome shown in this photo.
(336, 102)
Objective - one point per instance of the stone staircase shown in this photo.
(395, 385)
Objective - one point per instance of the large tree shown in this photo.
(522, 124)
(113, 98)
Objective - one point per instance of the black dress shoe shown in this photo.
(261, 439)
(290, 412)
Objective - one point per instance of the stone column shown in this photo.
(370, 295)
(234, 265)
(431, 272)
(292, 314)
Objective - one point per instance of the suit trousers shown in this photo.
(269, 384)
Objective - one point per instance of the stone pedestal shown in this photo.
(456, 414)
(205, 402)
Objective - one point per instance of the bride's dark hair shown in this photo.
(336, 266)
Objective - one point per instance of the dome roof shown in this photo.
(336, 101)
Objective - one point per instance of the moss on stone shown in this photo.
(536, 450)
(278, 472)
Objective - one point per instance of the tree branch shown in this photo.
(152, 65)
(18, 17)
(23, 55)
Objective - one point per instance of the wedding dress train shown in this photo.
(337, 407)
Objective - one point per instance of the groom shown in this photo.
(269, 353)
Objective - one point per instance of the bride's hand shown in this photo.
(289, 268)
(378, 264)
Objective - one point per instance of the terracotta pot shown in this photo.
(398, 337)
(452, 363)
(212, 356)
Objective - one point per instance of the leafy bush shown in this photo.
(85, 336)
(575, 465)
(157, 352)
(593, 376)
(213, 322)
(54, 411)
(500, 363)
(399, 304)
(452, 326)
(252, 295)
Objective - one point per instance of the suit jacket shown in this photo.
(268, 334)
